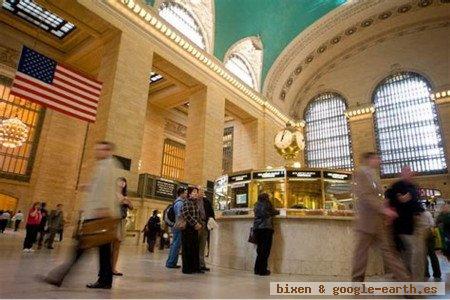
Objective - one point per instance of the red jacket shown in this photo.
(36, 219)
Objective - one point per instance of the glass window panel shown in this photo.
(14, 161)
(180, 18)
(327, 135)
(406, 125)
(227, 157)
(39, 16)
(173, 160)
(239, 67)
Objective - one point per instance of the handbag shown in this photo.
(180, 223)
(251, 236)
(97, 232)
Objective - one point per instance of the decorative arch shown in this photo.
(199, 13)
(247, 52)
(406, 123)
(328, 143)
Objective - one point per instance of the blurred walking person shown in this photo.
(373, 221)
(5, 216)
(32, 227)
(430, 244)
(18, 218)
(409, 227)
(154, 230)
(99, 204)
(55, 224)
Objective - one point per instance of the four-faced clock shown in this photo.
(283, 139)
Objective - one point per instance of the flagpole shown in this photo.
(82, 155)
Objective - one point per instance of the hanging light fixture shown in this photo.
(13, 132)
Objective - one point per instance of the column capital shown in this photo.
(360, 112)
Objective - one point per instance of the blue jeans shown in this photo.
(172, 260)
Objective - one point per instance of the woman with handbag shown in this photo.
(263, 232)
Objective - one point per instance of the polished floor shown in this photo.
(144, 276)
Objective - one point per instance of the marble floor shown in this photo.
(144, 276)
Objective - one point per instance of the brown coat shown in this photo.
(368, 194)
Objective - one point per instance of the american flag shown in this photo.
(42, 80)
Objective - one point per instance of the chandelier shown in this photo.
(13, 132)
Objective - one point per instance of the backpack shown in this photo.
(169, 214)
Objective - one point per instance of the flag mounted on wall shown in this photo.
(42, 80)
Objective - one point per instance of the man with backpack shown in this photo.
(171, 214)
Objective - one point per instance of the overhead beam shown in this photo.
(175, 99)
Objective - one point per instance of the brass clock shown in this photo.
(289, 142)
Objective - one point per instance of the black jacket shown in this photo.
(209, 210)
(264, 212)
(404, 224)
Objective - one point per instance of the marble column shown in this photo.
(443, 108)
(204, 139)
(122, 107)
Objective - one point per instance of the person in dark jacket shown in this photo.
(263, 231)
(189, 235)
(206, 211)
(403, 195)
(42, 228)
(55, 224)
(154, 229)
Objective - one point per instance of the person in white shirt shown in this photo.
(100, 202)
(18, 217)
(430, 241)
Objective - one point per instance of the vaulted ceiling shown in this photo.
(276, 22)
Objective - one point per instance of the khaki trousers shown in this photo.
(382, 239)
(203, 239)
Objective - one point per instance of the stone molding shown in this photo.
(308, 45)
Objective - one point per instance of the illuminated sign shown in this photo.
(239, 177)
(268, 174)
(303, 174)
(336, 176)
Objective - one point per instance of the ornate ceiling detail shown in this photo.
(319, 29)
(294, 109)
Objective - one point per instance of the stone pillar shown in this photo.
(443, 108)
(204, 139)
(153, 141)
(124, 71)
(362, 135)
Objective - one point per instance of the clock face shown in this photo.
(300, 139)
(283, 139)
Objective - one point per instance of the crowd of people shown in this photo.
(394, 220)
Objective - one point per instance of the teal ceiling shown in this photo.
(277, 22)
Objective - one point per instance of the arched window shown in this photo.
(327, 134)
(17, 162)
(244, 59)
(406, 125)
(180, 18)
(238, 67)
